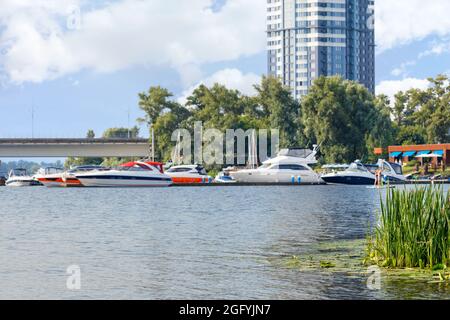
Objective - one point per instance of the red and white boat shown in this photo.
(50, 177)
(189, 174)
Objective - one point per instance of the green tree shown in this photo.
(164, 115)
(340, 115)
(280, 108)
(90, 134)
(383, 132)
(121, 133)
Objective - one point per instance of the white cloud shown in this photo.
(437, 49)
(400, 22)
(231, 78)
(179, 34)
(391, 87)
(36, 45)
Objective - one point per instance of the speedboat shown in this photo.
(69, 178)
(224, 177)
(290, 166)
(360, 174)
(20, 178)
(132, 174)
(355, 174)
(189, 174)
(391, 172)
(50, 177)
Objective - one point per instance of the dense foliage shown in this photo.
(342, 116)
(414, 229)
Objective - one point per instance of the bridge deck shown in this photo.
(45, 147)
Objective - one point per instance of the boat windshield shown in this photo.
(266, 166)
(357, 167)
(298, 153)
(397, 168)
(136, 167)
(53, 170)
(179, 169)
(19, 172)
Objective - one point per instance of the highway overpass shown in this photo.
(60, 148)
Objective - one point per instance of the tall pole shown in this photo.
(153, 143)
(32, 121)
(128, 125)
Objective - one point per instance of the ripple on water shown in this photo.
(183, 243)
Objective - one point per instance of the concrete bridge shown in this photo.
(60, 148)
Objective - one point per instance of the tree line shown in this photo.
(342, 116)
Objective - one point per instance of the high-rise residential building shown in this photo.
(311, 38)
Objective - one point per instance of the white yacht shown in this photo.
(20, 178)
(50, 176)
(290, 166)
(133, 174)
(189, 174)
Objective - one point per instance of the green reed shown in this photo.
(413, 229)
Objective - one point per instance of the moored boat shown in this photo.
(50, 177)
(20, 178)
(189, 174)
(291, 166)
(224, 177)
(132, 174)
(360, 174)
(355, 174)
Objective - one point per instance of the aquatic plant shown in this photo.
(413, 230)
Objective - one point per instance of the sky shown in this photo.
(80, 64)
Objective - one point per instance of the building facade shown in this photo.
(310, 38)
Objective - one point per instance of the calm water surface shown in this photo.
(184, 243)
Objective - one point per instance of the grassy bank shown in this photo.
(413, 230)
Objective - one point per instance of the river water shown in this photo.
(184, 243)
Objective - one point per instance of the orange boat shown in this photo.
(189, 174)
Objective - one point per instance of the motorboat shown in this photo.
(20, 178)
(224, 177)
(51, 177)
(69, 177)
(391, 172)
(189, 174)
(132, 174)
(355, 174)
(360, 174)
(290, 166)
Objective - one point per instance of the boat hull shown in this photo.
(123, 181)
(190, 180)
(275, 178)
(349, 180)
(22, 183)
(56, 182)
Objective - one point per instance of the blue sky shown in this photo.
(86, 73)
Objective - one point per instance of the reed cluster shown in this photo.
(413, 230)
